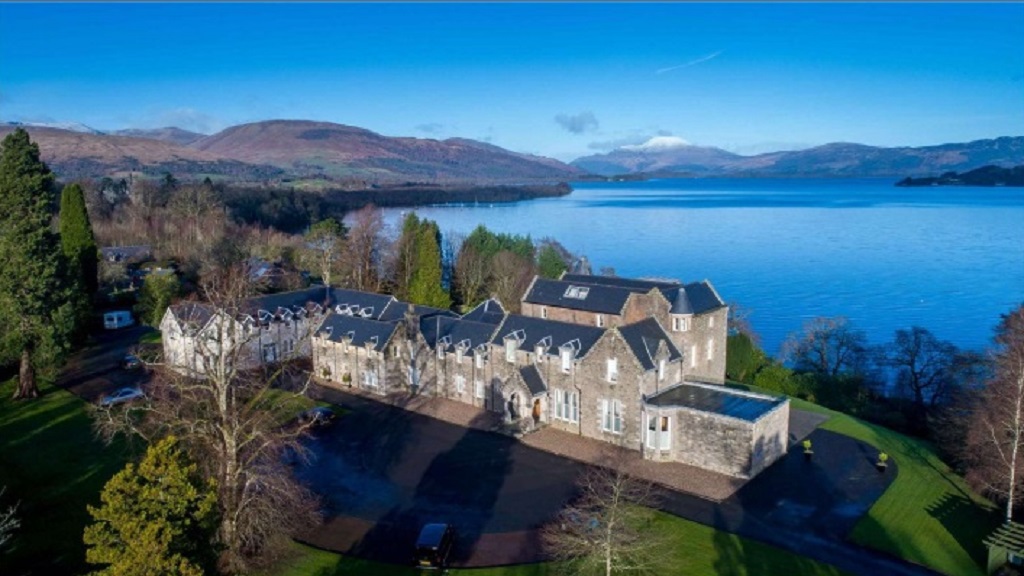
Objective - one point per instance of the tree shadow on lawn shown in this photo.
(966, 522)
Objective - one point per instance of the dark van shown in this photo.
(433, 546)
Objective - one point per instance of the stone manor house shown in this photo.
(637, 363)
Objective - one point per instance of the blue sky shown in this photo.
(557, 79)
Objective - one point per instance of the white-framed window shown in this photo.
(370, 378)
(478, 388)
(599, 320)
(479, 359)
(612, 372)
(611, 416)
(567, 406)
(544, 312)
(693, 356)
(662, 370)
(460, 383)
(413, 374)
(458, 356)
(440, 351)
(680, 324)
(566, 360)
(510, 350)
(711, 348)
(659, 432)
(711, 322)
(538, 353)
(270, 353)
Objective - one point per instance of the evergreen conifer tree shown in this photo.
(425, 287)
(36, 318)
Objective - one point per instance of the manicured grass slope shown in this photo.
(928, 515)
(53, 466)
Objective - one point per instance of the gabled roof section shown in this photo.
(457, 330)
(577, 296)
(196, 314)
(278, 304)
(364, 304)
(533, 379)
(631, 284)
(335, 327)
(529, 332)
(644, 338)
(489, 311)
(396, 311)
(698, 297)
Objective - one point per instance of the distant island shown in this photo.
(984, 176)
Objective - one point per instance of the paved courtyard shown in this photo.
(384, 471)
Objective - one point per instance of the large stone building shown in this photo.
(635, 363)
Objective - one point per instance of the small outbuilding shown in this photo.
(1006, 549)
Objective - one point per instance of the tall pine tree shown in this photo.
(79, 247)
(35, 316)
(425, 287)
(77, 239)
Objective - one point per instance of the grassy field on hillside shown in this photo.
(928, 515)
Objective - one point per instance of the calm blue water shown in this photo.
(948, 259)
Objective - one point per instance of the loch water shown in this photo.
(950, 259)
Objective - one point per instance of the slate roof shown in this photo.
(692, 298)
(489, 311)
(600, 299)
(457, 331)
(644, 338)
(362, 330)
(551, 334)
(363, 304)
(396, 310)
(632, 284)
(533, 379)
(293, 301)
(716, 399)
(195, 313)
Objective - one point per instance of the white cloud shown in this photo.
(690, 63)
(578, 123)
(659, 143)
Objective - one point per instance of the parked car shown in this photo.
(122, 395)
(434, 545)
(318, 416)
(131, 362)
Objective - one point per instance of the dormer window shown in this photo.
(566, 355)
(538, 351)
(479, 357)
(458, 356)
(577, 292)
(510, 350)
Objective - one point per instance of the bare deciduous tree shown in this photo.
(8, 521)
(471, 275)
(510, 276)
(223, 410)
(827, 346)
(363, 255)
(995, 437)
(607, 529)
(925, 367)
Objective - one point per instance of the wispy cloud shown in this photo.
(690, 63)
(188, 119)
(578, 123)
(430, 127)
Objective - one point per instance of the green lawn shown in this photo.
(52, 464)
(697, 550)
(151, 338)
(928, 515)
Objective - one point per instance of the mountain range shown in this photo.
(672, 156)
(324, 155)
